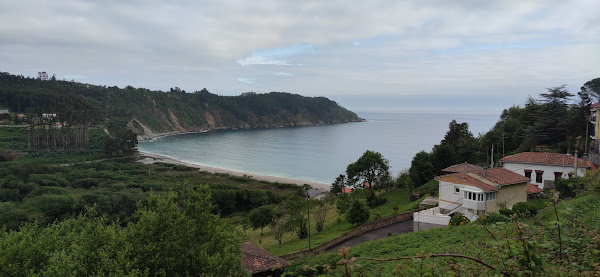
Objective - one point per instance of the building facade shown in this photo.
(545, 168)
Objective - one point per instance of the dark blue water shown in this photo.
(316, 153)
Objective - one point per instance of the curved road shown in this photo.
(396, 228)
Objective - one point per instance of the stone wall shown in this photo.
(355, 232)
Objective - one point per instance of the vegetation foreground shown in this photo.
(561, 242)
(73, 202)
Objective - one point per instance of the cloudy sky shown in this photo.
(472, 56)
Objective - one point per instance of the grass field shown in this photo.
(291, 243)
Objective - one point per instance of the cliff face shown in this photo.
(179, 113)
(151, 113)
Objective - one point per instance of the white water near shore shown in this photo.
(149, 158)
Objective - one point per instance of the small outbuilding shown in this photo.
(260, 262)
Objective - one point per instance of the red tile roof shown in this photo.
(462, 168)
(346, 190)
(503, 176)
(256, 259)
(469, 179)
(493, 180)
(546, 158)
(533, 189)
(595, 105)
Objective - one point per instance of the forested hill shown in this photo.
(149, 113)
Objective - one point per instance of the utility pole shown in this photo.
(576, 163)
(308, 217)
(587, 127)
(492, 159)
(503, 146)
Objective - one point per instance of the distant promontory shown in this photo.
(153, 113)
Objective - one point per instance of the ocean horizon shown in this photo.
(316, 153)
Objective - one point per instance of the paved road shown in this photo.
(397, 228)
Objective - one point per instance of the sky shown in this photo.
(429, 56)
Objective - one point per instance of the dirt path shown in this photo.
(396, 228)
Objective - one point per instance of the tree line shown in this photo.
(556, 121)
(162, 112)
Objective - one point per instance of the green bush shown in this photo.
(570, 187)
(458, 220)
(358, 213)
(525, 209)
(492, 218)
(375, 201)
(506, 212)
(9, 195)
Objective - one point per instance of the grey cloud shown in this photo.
(406, 47)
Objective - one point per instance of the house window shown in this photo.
(456, 189)
(538, 176)
(490, 196)
(528, 173)
(473, 196)
(557, 176)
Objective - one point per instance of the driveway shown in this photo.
(396, 228)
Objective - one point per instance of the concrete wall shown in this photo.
(508, 196)
(449, 198)
(548, 174)
(355, 232)
(429, 219)
(423, 226)
(491, 205)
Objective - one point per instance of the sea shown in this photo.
(317, 153)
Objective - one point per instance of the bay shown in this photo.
(316, 153)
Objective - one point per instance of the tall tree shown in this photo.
(371, 167)
(261, 217)
(551, 126)
(421, 169)
(338, 185)
(280, 226)
(321, 211)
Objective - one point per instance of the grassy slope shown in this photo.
(475, 241)
(291, 243)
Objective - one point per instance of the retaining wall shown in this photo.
(355, 232)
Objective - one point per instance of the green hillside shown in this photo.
(149, 113)
(524, 246)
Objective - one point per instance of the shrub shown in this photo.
(458, 220)
(358, 213)
(525, 209)
(570, 187)
(9, 195)
(492, 218)
(85, 183)
(506, 212)
(303, 231)
(374, 201)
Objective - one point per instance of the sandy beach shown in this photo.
(148, 158)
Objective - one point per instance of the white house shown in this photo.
(545, 168)
(474, 193)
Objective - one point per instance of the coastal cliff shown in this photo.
(166, 113)
(152, 113)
